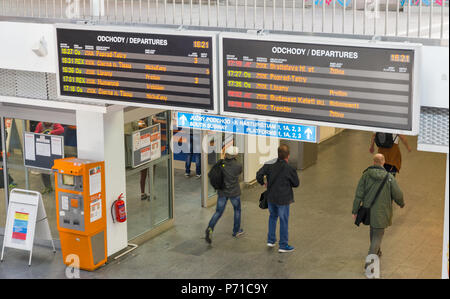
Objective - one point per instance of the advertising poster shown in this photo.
(20, 227)
(95, 180)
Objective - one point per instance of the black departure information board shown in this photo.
(137, 68)
(352, 85)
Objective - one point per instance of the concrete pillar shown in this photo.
(101, 137)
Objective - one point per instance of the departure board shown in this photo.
(363, 86)
(137, 68)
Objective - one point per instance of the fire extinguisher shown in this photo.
(118, 210)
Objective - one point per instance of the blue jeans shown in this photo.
(197, 160)
(282, 212)
(221, 203)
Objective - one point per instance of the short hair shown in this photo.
(283, 152)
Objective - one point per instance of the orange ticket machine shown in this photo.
(81, 211)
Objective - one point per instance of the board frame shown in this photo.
(212, 34)
(415, 106)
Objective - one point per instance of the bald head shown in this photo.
(379, 160)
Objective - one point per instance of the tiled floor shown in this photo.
(328, 244)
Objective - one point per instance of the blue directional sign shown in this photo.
(247, 126)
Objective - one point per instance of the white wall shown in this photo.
(17, 40)
(258, 150)
(434, 77)
(101, 137)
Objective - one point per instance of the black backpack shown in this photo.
(216, 175)
(385, 140)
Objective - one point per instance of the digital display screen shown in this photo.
(68, 180)
(355, 85)
(136, 68)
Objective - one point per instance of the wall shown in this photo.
(100, 137)
(18, 39)
(258, 151)
(434, 77)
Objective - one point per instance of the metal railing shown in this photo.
(405, 18)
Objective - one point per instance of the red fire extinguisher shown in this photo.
(118, 210)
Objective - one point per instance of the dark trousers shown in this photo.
(143, 179)
(46, 180)
(391, 169)
(196, 158)
(220, 208)
(376, 236)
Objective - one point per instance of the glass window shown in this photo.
(148, 183)
(40, 180)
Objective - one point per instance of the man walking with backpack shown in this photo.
(281, 178)
(376, 190)
(230, 189)
(388, 146)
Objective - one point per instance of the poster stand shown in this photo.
(26, 218)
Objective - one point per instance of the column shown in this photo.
(100, 136)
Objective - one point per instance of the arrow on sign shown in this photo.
(308, 133)
(183, 120)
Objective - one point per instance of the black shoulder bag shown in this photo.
(363, 215)
(263, 198)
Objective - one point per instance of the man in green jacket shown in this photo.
(382, 210)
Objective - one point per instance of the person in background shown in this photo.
(281, 178)
(50, 129)
(11, 183)
(142, 124)
(392, 155)
(193, 155)
(382, 210)
(231, 191)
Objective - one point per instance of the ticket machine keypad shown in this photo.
(71, 211)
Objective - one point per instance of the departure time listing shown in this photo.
(161, 69)
(343, 84)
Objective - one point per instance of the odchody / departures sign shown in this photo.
(143, 67)
(347, 83)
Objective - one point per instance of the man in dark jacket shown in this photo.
(382, 210)
(232, 191)
(281, 178)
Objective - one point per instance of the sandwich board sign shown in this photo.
(26, 218)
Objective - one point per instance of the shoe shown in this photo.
(144, 196)
(287, 248)
(12, 186)
(270, 244)
(239, 233)
(208, 235)
(187, 175)
(47, 190)
(198, 176)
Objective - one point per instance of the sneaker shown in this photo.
(12, 186)
(270, 244)
(144, 196)
(287, 248)
(47, 190)
(208, 235)
(187, 175)
(239, 233)
(198, 176)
